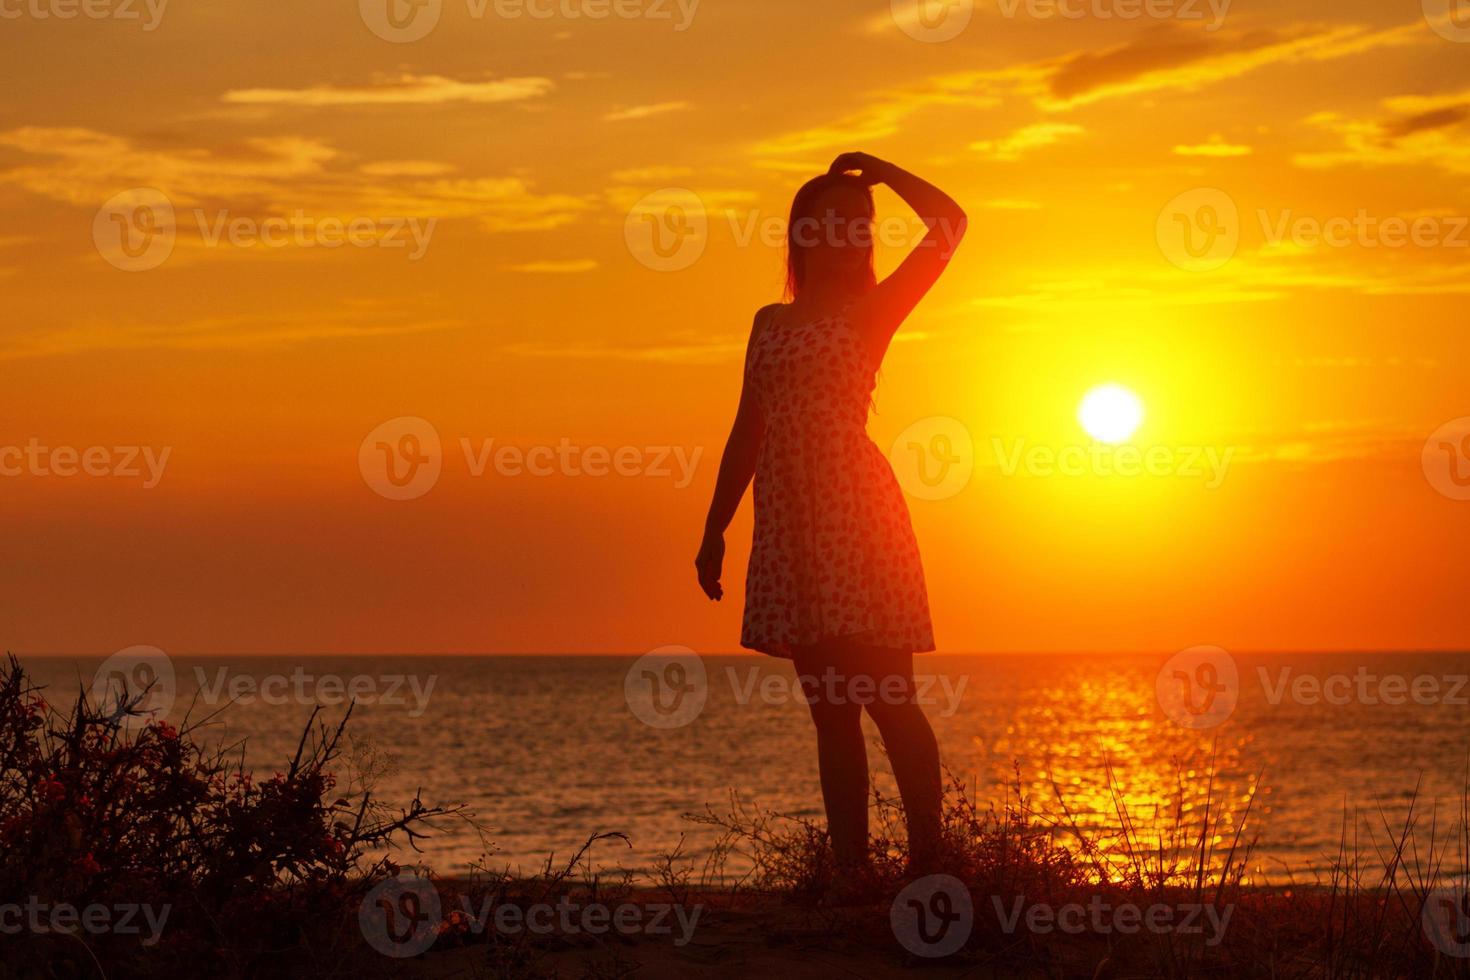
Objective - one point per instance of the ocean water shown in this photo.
(548, 750)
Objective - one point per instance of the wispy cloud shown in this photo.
(397, 90)
(651, 175)
(236, 332)
(645, 111)
(406, 168)
(1167, 57)
(1215, 146)
(1022, 141)
(567, 267)
(1422, 130)
(711, 350)
(274, 175)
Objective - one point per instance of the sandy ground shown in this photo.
(770, 942)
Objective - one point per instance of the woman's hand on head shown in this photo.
(710, 563)
(866, 167)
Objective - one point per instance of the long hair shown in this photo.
(804, 212)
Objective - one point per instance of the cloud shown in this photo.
(645, 111)
(1215, 146)
(1171, 56)
(281, 328)
(712, 350)
(1032, 137)
(406, 168)
(1424, 131)
(651, 175)
(1425, 121)
(400, 90)
(1262, 277)
(886, 115)
(1167, 57)
(555, 268)
(87, 167)
(272, 176)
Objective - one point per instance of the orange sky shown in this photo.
(525, 316)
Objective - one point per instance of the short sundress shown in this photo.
(834, 555)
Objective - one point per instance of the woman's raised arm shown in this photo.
(890, 303)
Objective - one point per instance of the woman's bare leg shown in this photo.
(842, 754)
(912, 750)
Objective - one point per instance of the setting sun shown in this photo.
(1111, 413)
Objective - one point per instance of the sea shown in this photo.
(1290, 758)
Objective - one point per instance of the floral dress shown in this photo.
(834, 554)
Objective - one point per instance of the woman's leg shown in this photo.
(842, 755)
(912, 750)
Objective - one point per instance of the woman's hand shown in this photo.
(870, 170)
(709, 563)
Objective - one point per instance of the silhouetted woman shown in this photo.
(835, 582)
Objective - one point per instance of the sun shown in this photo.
(1111, 413)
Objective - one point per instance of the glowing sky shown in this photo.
(496, 175)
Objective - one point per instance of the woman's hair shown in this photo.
(804, 215)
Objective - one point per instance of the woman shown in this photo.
(835, 582)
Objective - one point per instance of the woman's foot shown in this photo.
(852, 884)
(924, 861)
